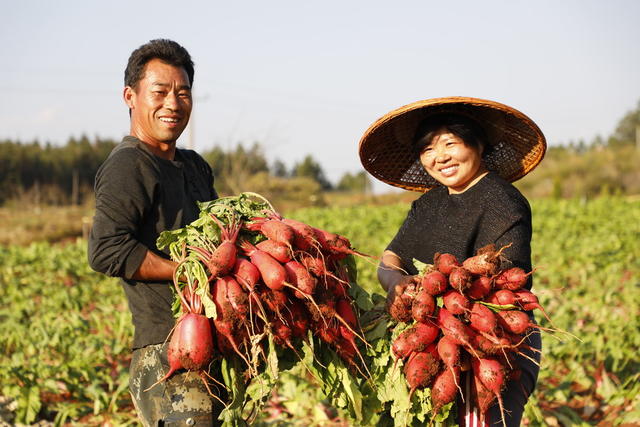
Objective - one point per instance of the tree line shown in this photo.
(64, 174)
(58, 175)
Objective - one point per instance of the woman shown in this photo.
(463, 153)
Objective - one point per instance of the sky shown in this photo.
(309, 77)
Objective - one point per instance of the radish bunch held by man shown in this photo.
(261, 280)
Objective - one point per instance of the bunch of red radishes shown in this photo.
(268, 277)
(466, 317)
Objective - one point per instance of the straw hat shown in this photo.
(386, 150)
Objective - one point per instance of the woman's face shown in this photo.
(451, 162)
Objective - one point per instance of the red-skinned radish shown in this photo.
(335, 244)
(273, 229)
(482, 319)
(272, 272)
(297, 317)
(528, 301)
(274, 300)
(301, 279)
(480, 265)
(449, 351)
(513, 279)
(444, 262)
(482, 397)
(445, 388)
(304, 235)
(492, 374)
(327, 332)
(196, 341)
(191, 345)
(246, 273)
(336, 287)
(400, 310)
(434, 283)
(279, 251)
(421, 368)
(345, 311)
(455, 329)
(502, 297)
(228, 322)
(221, 261)
(455, 302)
(515, 321)
(414, 339)
(314, 264)
(486, 262)
(282, 333)
(460, 279)
(480, 288)
(347, 350)
(234, 294)
(423, 307)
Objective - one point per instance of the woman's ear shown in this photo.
(481, 149)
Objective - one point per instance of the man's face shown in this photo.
(160, 104)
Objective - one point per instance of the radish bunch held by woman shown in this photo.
(470, 226)
(478, 333)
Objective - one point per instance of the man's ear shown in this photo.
(129, 96)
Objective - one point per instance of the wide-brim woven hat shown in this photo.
(386, 148)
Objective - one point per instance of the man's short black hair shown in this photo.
(166, 50)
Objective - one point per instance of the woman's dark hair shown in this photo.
(463, 127)
(166, 50)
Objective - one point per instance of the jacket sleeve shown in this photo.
(123, 193)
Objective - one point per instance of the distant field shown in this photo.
(21, 225)
(65, 330)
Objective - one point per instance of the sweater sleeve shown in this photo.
(205, 172)
(403, 238)
(209, 173)
(123, 192)
(516, 233)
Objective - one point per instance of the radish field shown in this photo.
(65, 330)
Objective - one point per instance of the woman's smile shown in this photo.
(451, 162)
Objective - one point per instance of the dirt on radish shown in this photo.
(253, 290)
(481, 318)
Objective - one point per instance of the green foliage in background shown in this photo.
(65, 336)
(65, 331)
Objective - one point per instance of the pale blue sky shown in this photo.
(306, 77)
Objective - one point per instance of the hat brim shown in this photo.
(386, 148)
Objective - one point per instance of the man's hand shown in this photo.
(154, 267)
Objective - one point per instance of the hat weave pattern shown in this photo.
(386, 148)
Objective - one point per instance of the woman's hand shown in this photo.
(398, 284)
(405, 283)
(400, 298)
(391, 273)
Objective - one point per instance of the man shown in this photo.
(148, 185)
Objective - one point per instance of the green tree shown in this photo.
(232, 169)
(279, 169)
(355, 183)
(625, 133)
(309, 168)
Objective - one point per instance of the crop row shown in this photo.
(65, 330)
